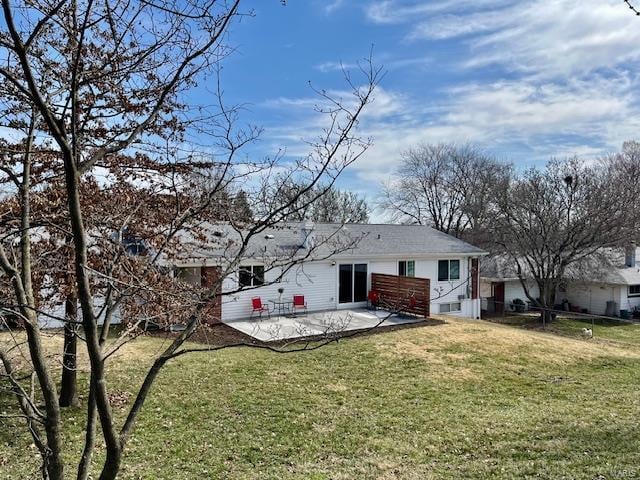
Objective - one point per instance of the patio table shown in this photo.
(282, 305)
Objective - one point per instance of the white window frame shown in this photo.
(449, 260)
(450, 307)
(633, 294)
(251, 268)
(406, 268)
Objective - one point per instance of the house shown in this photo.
(332, 265)
(607, 283)
(500, 285)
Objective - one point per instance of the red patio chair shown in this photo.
(299, 304)
(259, 308)
(374, 298)
(413, 301)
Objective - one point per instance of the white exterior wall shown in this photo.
(513, 289)
(627, 302)
(317, 281)
(386, 267)
(448, 291)
(57, 311)
(441, 292)
(594, 297)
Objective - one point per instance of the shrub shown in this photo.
(518, 305)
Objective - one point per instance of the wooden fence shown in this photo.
(406, 294)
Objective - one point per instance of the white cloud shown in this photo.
(565, 83)
(331, 7)
(550, 119)
(401, 11)
(384, 103)
(542, 37)
(326, 67)
(562, 38)
(525, 108)
(533, 120)
(448, 26)
(385, 61)
(389, 11)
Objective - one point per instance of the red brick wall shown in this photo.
(475, 278)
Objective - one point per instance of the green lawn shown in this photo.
(459, 400)
(620, 332)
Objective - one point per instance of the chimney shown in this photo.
(307, 234)
(630, 255)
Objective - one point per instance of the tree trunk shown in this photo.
(548, 297)
(68, 387)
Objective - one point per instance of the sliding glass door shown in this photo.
(352, 282)
(360, 282)
(345, 284)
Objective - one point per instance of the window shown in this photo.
(448, 270)
(407, 268)
(634, 290)
(450, 307)
(251, 275)
(134, 246)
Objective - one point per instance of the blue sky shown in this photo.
(525, 81)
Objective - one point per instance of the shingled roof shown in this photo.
(337, 240)
(607, 266)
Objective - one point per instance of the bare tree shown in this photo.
(242, 207)
(332, 206)
(550, 220)
(107, 81)
(449, 187)
(624, 172)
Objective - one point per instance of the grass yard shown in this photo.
(459, 400)
(604, 329)
(619, 332)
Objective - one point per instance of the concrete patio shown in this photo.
(317, 323)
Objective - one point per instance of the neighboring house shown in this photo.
(606, 284)
(500, 285)
(337, 272)
(51, 317)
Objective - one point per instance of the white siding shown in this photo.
(485, 288)
(317, 281)
(593, 297)
(441, 292)
(57, 311)
(627, 302)
(387, 267)
(447, 291)
(513, 289)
